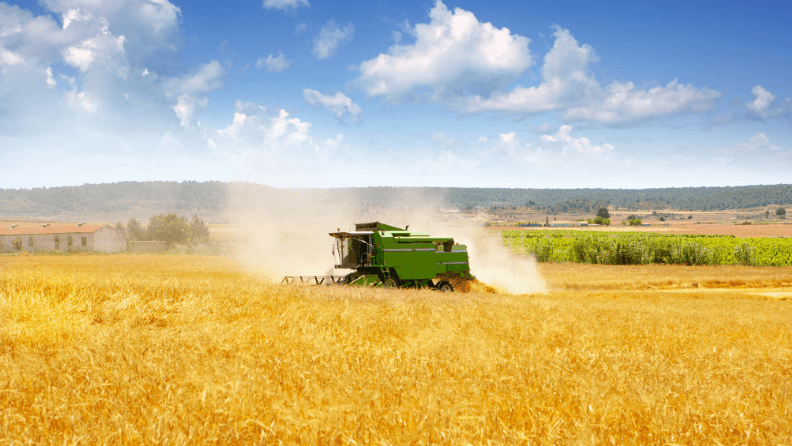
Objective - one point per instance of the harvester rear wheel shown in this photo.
(444, 287)
(390, 283)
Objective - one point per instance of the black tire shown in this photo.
(349, 278)
(390, 283)
(444, 287)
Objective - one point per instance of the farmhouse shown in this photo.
(34, 237)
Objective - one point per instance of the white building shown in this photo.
(34, 237)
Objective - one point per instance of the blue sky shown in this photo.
(310, 93)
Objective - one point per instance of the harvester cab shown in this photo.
(392, 257)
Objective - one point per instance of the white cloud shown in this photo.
(509, 145)
(275, 64)
(191, 90)
(207, 78)
(9, 58)
(104, 49)
(188, 106)
(331, 36)
(51, 82)
(623, 103)
(339, 104)
(483, 139)
(254, 130)
(74, 15)
(81, 101)
(148, 26)
(762, 100)
(466, 65)
(760, 141)
(104, 42)
(334, 143)
(508, 138)
(453, 54)
(577, 146)
(567, 85)
(284, 5)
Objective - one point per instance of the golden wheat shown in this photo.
(190, 350)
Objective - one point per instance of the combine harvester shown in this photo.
(386, 256)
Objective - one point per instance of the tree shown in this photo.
(17, 244)
(169, 228)
(173, 229)
(199, 230)
(135, 231)
(781, 212)
(603, 212)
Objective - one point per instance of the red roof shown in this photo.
(52, 228)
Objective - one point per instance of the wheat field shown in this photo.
(142, 349)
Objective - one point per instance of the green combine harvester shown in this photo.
(386, 256)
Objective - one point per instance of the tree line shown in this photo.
(214, 197)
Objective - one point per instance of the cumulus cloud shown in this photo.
(565, 79)
(104, 49)
(453, 54)
(568, 86)
(51, 82)
(191, 90)
(284, 5)
(10, 58)
(188, 106)
(339, 104)
(148, 26)
(466, 65)
(330, 37)
(762, 100)
(510, 145)
(624, 103)
(81, 101)
(760, 141)
(98, 48)
(207, 78)
(274, 63)
(255, 130)
(577, 146)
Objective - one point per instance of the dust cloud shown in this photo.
(285, 232)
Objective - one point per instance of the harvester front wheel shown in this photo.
(349, 278)
(444, 287)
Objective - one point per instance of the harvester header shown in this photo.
(385, 255)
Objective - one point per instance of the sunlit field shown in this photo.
(191, 350)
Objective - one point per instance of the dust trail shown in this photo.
(285, 232)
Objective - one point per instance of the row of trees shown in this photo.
(169, 228)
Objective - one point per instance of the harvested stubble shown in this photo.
(188, 350)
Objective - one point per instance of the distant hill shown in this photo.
(121, 201)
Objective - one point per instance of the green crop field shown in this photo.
(632, 248)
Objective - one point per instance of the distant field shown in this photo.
(190, 350)
(746, 231)
(640, 248)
